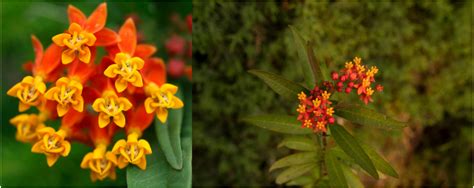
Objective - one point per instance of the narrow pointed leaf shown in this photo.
(379, 162)
(352, 180)
(278, 123)
(294, 172)
(299, 143)
(168, 134)
(311, 70)
(295, 159)
(300, 181)
(280, 85)
(335, 173)
(352, 148)
(366, 116)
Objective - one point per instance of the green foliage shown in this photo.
(282, 86)
(278, 123)
(161, 170)
(168, 135)
(366, 116)
(335, 172)
(298, 143)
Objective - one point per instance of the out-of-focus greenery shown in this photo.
(422, 49)
(19, 20)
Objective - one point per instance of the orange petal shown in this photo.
(68, 56)
(85, 55)
(96, 20)
(122, 162)
(51, 59)
(67, 148)
(106, 37)
(12, 91)
(38, 48)
(80, 105)
(75, 15)
(139, 81)
(144, 50)
(169, 88)
(119, 144)
(138, 61)
(59, 38)
(177, 103)
(154, 71)
(142, 163)
(128, 36)
(148, 108)
(37, 147)
(145, 145)
(85, 160)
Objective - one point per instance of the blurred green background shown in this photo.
(19, 20)
(423, 51)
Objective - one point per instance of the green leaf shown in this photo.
(365, 116)
(311, 70)
(168, 134)
(352, 179)
(159, 173)
(300, 181)
(352, 148)
(280, 85)
(299, 143)
(278, 123)
(379, 162)
(335, 173)
(295, 159)
(294, 172)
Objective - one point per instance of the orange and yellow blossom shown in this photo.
(27, 126)
(160, 99)
(101, 162)
(67, 93)
(132, 151)
(111, 106)
(77, 41)
(30, 92)
(51, 143)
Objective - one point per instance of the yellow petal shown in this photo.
(97, 103)
(85, 55)
(148, 108)
(94, 176)
(120, 84)
(85, 160)
(121, 57)
(12, 91)
(51, 159)
(62, 109)
(37, 147)
(67, 148)
(75, 84)
(74, 27)
(39, 85)
(50, 93)
(110, 71)
(68, 56)
(111, 157)
(119, 119)
(177, 103)
(138, 79)
(145, 145)
(23, 107)
(142, 163)
(162, 114)
(80, 105)
(59, 38)
(138, 61)
(122, 162)
(126, 103)
(169, 88)
(90, 38)
(104, 120)
(118, 145)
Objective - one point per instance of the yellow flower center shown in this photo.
(132, 151)
(110, 105)
(52, 144)
(67, 92)
(127, 68)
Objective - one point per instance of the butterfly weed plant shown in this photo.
(122, 92)
(325, 152)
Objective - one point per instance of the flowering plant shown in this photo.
(326, 153)
(94, 100)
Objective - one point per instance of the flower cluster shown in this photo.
(124, 90)
(315, 110)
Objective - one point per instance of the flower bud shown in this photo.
(334, 75)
